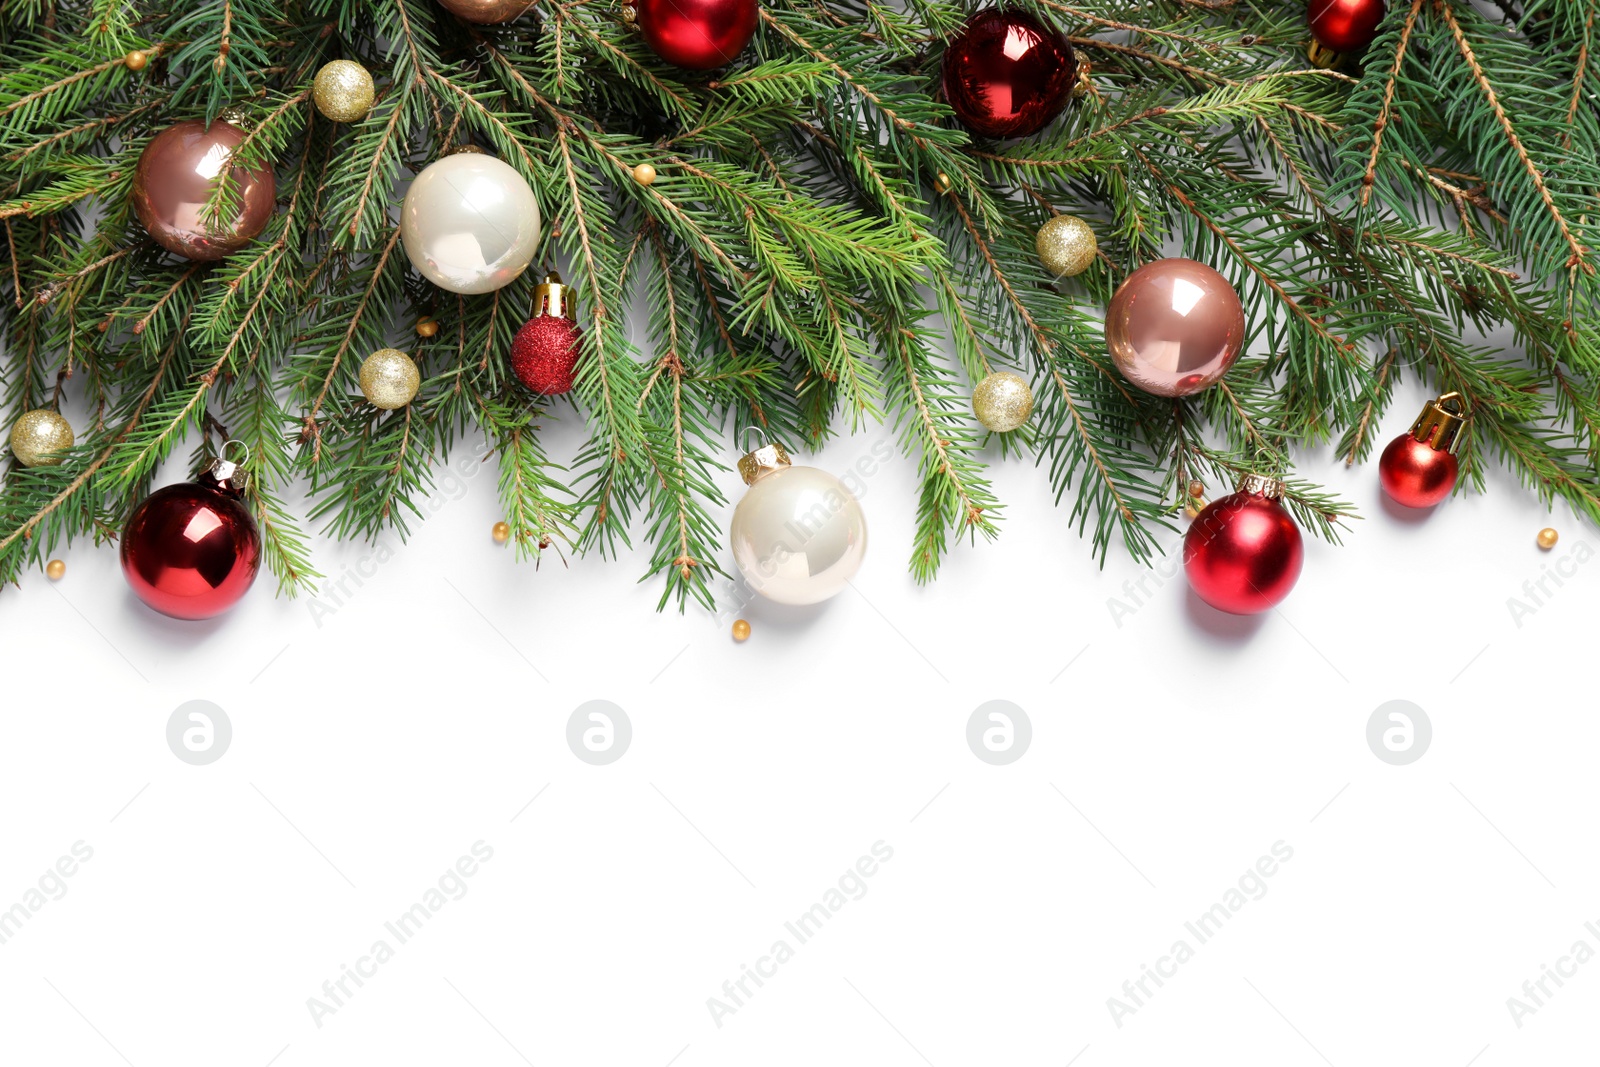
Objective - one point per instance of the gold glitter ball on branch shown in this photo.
(501, 532)
(644, 174)
(39, 438)
(1066, 246)
(389, 379)
(741, 630)
(1548, 538)
(1002, 402)
(55, 569)
(343, 91)
(135, 61)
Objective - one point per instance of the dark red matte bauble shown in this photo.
(191, 550)
(698, 34)
(1345, 25)
(1006, 74)
(544, 355)
(1243, 553)
(1415, 473)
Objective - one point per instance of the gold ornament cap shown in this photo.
(1324, 57)
(1261, 485)
(554, 297)
(763, 461)
(236, 116)
(1441, 423)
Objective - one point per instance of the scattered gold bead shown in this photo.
(942, 183)
(644, 174)
(1197, 489)
(501, 532)
(427, 327)
(741, 630)
(630, 14)
(135, 61)
(55, 569)
(1548, 538)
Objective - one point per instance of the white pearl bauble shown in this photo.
(470, 223)
(798, 535)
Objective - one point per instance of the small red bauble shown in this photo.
(1006, 74)
(1345, 25)
(1419, 468)
(698, 34)
(1243, 553)
(192, 550)
(544, 355)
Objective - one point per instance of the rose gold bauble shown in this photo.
(177, 172)
(1175, 327)
(485, 12)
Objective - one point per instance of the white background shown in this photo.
(373, 745)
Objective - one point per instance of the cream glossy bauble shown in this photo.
(798, 535)
(470, 223)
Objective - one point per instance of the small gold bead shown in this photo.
(55, 569)
(942, 183)
(427, 327)
(501, 532)
(630, 14)
(1193, 508)
(1548, 538)
(644, 174)
(741, 630)
(135, 61)
(1197, 489)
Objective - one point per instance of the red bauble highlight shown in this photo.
(1345, 25)
(698, 34)
(191, 550)
(1006, 74)
(1243, 553)
(1415, 473)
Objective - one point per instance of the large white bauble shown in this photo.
(798, 535)
(470, 223)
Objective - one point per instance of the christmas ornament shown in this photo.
(1548, 538)
(698, 34)
(485, 12)
(389, 379)
(941, 183)
(644, 174)
(427, 327)
(545, 351)
(135, 61)
(798, 535)
(1197, 488)
(1066, 246)
(1243, 553)
(470, 223)
(1345, 25)
(1418, 469)
(192, 550)
(741, 630)
(177, 173)
(56, 569)
(1002, 402)
(1174, 327)
(501, 532)
(40, 437)
(343, 91)
(1006, 74)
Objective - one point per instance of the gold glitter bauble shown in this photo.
(741, 630)
(55, 569)
(389, 379)
(1548, 538)
(644, 174)
(1002, 402)
(39, 438)
(343, 91)
(1066, 246)
(501, 532)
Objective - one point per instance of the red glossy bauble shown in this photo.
(698, 34)
(1345, 25)
(1243, 553)
(192, 550)
(1415, 473)
(544, 355)
(1006, 74)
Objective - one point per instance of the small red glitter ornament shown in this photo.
(698, 34)
(191, 550)
(1345, 25)
(1243, 553)
(1006, 74)
(1419, 468)
(544, 355)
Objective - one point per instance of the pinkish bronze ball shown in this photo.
(177, 172)
(486, 12)
(1175, 327)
